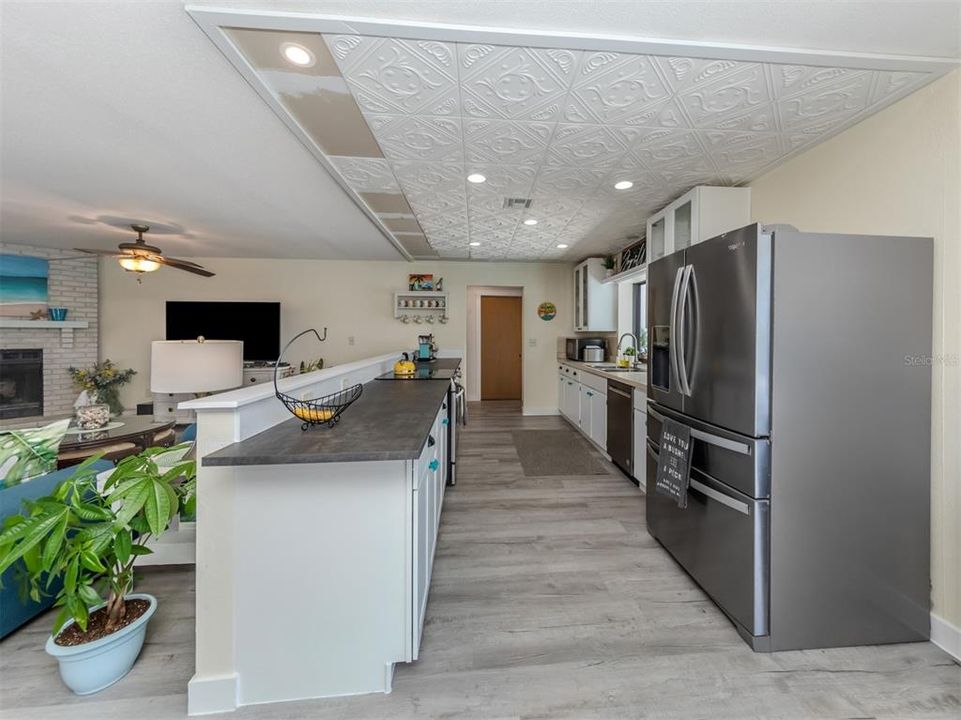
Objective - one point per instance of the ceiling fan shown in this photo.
(139, 257)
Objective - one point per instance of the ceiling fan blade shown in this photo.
(191, 267)
(182, 261)
(91, 251)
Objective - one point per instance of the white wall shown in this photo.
(899, 173)
(353, 299)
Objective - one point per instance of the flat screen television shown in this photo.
(256, 323)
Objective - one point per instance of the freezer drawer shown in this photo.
(742, 462)
(721, 540)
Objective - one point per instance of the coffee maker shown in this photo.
(426, 347)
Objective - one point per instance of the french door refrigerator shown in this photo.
(793, 359)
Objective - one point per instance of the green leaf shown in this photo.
(90, 596)
(157, 508)
(90, 561)
(138, 549)
(122, 544)
(87, 511)
(78, 609)
(133, 503)
(60, 620)
(55, 541)
(25, 536)
(70, 577)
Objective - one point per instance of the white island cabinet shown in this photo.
(315, 548)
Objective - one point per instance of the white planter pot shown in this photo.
(93, 666)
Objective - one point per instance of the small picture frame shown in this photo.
(420, 282)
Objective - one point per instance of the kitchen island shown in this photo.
(314, 548)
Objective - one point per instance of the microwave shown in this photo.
(576, 345)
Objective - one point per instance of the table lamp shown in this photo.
(194, 367)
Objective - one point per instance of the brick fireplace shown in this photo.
(73, 283)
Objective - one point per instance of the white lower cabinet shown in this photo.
(429, 484)
(582, 399)
(598, 427)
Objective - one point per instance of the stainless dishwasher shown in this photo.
(620, 426)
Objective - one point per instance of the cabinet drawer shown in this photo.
(594, 382)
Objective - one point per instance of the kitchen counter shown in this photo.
(634, 379)
(343, 519)
(390, 421)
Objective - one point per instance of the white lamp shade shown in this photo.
(190, 366)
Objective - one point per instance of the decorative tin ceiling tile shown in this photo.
(826, 107)
(420, 138)
(556, 126)
(733, 94)
(614, 89)
(590, 145)
(514, 82)
(403, 76)
(503, 141)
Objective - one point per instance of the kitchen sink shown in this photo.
(614, 368)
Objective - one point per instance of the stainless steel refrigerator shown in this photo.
(797, 361)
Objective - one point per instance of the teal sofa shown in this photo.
(13, 613)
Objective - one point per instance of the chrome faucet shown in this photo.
(633, 337)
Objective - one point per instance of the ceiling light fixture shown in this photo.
(623, 185)
(562, 246)
(137, 264)
(530, 221)
(474, 244)
(476, 178)
(297, 54)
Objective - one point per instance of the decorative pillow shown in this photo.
(26, 454)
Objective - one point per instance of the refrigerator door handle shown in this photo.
(684, 292)
(674, 333)
(741, 507)
(711, 439)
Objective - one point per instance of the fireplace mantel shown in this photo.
(66, 327)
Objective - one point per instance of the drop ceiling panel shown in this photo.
(405, 120)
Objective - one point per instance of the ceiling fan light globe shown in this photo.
(137, 264)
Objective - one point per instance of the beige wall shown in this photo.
(351, 298)
(899, 173)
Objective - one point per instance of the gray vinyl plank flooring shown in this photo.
(548, 600)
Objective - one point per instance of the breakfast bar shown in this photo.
(314, 547)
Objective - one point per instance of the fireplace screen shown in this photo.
(21, 383)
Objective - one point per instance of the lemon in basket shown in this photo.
(313, 414)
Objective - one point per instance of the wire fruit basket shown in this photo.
(325, 410)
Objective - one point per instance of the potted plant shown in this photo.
(88, 534)
(102, 383)
(608, 266)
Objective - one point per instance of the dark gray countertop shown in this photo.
(390, 421)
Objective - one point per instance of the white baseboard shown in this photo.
(211, 694)
(946, 636)
(529, 410)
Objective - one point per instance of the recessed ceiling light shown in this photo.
(623, 185)
(474, 244)
(297, 54)
(476, 178)
(530, 221)
(562, 246)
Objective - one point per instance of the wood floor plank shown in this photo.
(549, 600)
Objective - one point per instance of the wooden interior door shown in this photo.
(500, 348)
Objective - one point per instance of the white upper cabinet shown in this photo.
(595, 303)
(696, 216)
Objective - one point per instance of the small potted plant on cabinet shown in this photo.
(88, 534)
(609, 266)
